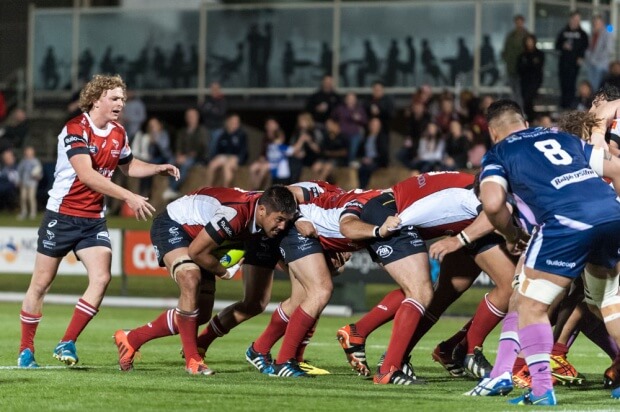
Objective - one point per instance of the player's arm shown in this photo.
(138, 168)
(83, 166)
(493, 198)
(607, 165)
(200, 251)
(354, 228)
(481, 226)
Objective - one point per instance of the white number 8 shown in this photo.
(553, 151)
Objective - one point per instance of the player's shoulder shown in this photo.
(77, 124)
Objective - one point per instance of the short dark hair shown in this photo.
(278, 198)
(499, 107)
(607, 92)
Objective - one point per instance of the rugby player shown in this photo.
(185, 236)
(90, 148)
(576, 219)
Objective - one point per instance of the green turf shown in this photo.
(159, 382)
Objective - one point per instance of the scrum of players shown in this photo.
(538, 220)
(492, 223)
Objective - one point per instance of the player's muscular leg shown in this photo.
(412, 274)
(530, 303)
(257, 282)
(500, 269)
(45, 269)
(97, 261)
(314, 276)
(298, 294)
(187, 277)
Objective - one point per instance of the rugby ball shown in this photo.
(229, 257)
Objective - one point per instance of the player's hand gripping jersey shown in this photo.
(107, 149)
(554, 177)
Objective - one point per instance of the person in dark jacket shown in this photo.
(374, 152)
(572, 43)
(230, 152)
(530, 68)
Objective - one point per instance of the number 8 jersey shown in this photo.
(552, 175)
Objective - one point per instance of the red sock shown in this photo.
(299, 324)
(519, 364)
(405, 322)
(29, 329)
(214, 330)
(187, 323)
(82, 314)
(305, 342)
(425, 324)
(274, 331)
(486, 318)
(381, 314)
(559, 349)
(162, 326)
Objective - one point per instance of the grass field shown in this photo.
(159, 382)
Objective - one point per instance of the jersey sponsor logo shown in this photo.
(560, 263)
(384, 251)
(48, 243)
(105, 172)
(73, 138)
(225, 226)
(156, 252)
(50, 234)
(115, 152)
(573, 177)
(352, 204)
(421, 181)
(282, 253)
(93, 149)
(174, 231)
(52, 223)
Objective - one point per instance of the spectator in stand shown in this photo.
(15, 130)
(351, 118)
(585, 95)
(481, 140)
(311, 149)
(30, 172)
(231, 151)
(543, 120)
(153, 146)
(418, 118)
(213, 113)
(530, 68)
(134, 114)
(572, 43)
(466, 106)
(380, 106)
(190, 149)
(513, 47)
(334, 152)
(431, 151)
(613, 77)
(374, 151)
(598, 54)
(322, 102)
(457, 146)
(260, 169)
(9, 179)
(446, 114)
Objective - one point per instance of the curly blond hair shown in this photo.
(578, 123)
(93, 90)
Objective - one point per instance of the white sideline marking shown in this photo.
(133, 302)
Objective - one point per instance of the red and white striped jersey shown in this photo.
(325, 213)
(107, 149)
(318, 189)
(437, 203)
(224, 213)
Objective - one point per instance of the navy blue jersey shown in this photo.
(550, 175)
